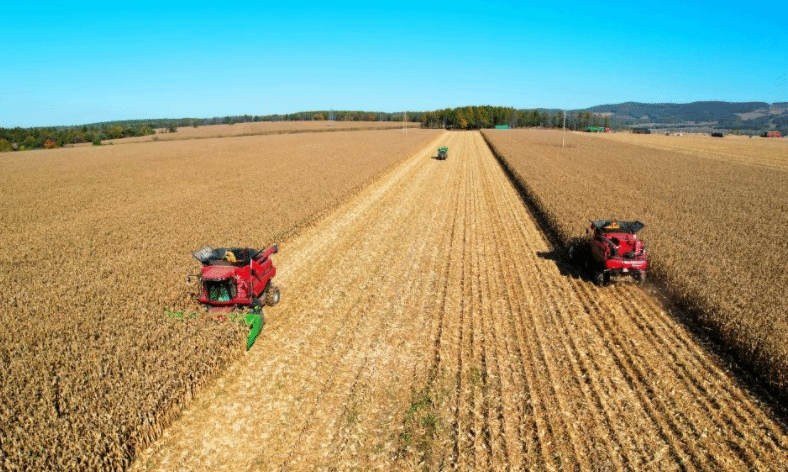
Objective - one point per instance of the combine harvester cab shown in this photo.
(235, 283)
(612, 249)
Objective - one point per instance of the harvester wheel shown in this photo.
(588, 268)
(272, 296)
(599, 278)
(640, 277)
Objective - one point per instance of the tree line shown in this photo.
(469, 117)
(478, 117)
(21, 139)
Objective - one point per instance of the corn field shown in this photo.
(713, 209)
(96, 242)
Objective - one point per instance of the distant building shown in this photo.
(641, 130)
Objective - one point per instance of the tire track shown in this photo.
(494, 380)
(397, 234)
(638, 388)
(600, 418)
(518, 418)
(381, 269)
(689, 382)
(497, 235)
(692, 360)
(416, 294)
(720, 413)
(461, 433)
(566, 451)
(477, 373)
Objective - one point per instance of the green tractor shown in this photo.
(443, 153)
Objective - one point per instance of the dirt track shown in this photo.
(426, 324)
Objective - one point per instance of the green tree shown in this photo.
(29, 142)
(114, 132)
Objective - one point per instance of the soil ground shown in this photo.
(427, 324)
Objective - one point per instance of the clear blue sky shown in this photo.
(73, 63)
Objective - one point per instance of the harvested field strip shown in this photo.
(428, 325)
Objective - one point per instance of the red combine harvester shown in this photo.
(235, 279)
(612, 249)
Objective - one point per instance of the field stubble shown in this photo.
(96, 243)
(429, 325)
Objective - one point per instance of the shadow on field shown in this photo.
(565, 266)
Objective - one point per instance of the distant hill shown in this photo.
(731, 116)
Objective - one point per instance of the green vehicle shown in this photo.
(443, 153)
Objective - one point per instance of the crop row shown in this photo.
(712, 227)
(96, 244)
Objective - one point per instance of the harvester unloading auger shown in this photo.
(235, 283)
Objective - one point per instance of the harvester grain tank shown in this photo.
(236, 282)
(612, 248)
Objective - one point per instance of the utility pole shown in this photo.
(563, 139)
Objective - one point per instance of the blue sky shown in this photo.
(66, 64)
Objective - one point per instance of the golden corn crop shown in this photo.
(96, 244)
